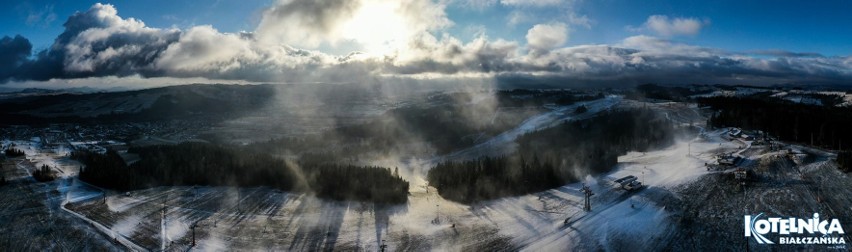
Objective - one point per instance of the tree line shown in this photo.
(492, 177)
(13, 152)
(205, 164)
(816, 125)
(844, 161)
(43, 174)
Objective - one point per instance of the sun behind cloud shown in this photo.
(378, 26)
(375, 26)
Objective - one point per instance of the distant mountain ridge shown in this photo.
(163, 103)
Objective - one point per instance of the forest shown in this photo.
(844, 161)
(448, 122)
(44, 174)
(13, 152)
(555, 156)
(816, 125)
(492, 177)
(444, 127)
(200, 102)
(670, 93)
(211, 165)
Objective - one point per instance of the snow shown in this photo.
(504, 143)
(121, 239)
(802, 96)
(127, 225)
(121, 204)
(671, 166)
(274, 220)
(803, 99)
(738, 92)
(636, 221)
(56, 158)
(212, 243)
(638, 224)
(619, 220)
(77, 192)
(176, 228)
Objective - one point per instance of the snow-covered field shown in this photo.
(57, 158)
(677, 188)
(275, 220)
(260, 218)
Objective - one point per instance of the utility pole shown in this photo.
(194, 225)
(745, 211)
(163, 226)
(437, 214)
(588, 193)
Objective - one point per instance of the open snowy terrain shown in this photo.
(265, 218)
(261, 218)
(682, 204)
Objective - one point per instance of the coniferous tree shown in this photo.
(206, 164)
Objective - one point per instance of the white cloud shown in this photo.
(533, 3)
(374, 24)
(664, 26)
(449, 55)
(516, 17)
(203, 47)
(100, 44)
(482, 4)
(547, 36)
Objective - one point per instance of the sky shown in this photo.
(615, 42)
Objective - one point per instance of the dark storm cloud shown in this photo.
(13, 53)
(98, 43)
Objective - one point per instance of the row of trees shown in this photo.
(825, 126)
(671, 93)
(199, 102)
(593, 145)
(822, 126)
(13, 152)
(206, 164)
(44, 174)
(560, 155)
(492, 177)
(348, 182)
(844, 161)
(108, 170)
